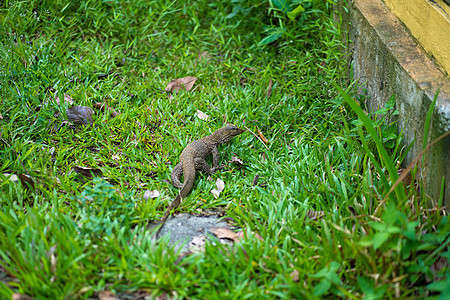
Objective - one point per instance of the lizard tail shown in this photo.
(174, 204)
(189, 178)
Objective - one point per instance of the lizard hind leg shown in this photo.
(176, 175)
(202, 165)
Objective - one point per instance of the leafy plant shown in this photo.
(102, 210)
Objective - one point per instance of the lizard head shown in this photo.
(233, 129)
(225, 134)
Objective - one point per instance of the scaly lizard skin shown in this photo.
(193, 158)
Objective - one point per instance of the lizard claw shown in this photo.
(215, 169)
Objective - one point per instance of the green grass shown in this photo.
(72, 236)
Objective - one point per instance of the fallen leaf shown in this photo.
(88, 172)
(197, 244)
(255, 180)
(201, 115)
(269, 89)
(64, 123)
(80, 115)
(177, 84)
(12, 177)
(352, 210)
(242, 234)
(1, 117)
(119, 192)
(66, 98)
(258, 236)
(263, 138)
(322, 65)
(106, 295)
(225, 233)
(216, 193)
(104, 107)
(53, 263)
(220, 184)
(151, 194)
(236, 160)
(17, 296)
(203, 54)
(26, 181)
(314, 215)
(85, 289)
(295, 275)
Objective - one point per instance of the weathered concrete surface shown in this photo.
(183, 228)
(387, 61)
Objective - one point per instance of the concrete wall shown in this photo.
(386, 61)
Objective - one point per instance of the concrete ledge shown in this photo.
(429, 23)
(386, 61)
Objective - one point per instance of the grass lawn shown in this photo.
(273, 67)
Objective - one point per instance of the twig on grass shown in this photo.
(257, 137)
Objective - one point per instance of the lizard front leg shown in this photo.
(215, 155)
(202, 165)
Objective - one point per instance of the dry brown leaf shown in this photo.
(236, 160)
(66, 98)
(201, 115)
(225, 233)
(151, 194)
(204, 54)
(104, 107)
(295, 275)
(242, 234)
(17, 296)
(1, 117)
(352, 210)
(26, 181)
(269, 89)
(315, 215)
(263, 138)
(106, 295)
(80, 115)
(255, 180)
(88, 172)
(258, 236)
(177, 84)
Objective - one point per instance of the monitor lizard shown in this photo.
(192, 158)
